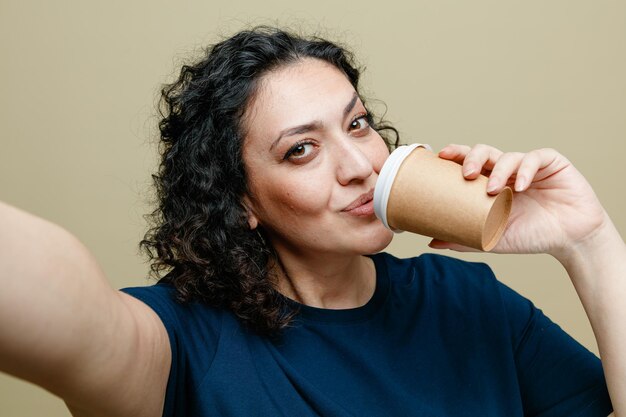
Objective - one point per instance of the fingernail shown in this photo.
(469, 170)
(492, 184)
(520, 184)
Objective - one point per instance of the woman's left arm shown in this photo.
(555, 211)
(597, 268)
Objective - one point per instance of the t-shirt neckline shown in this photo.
(349, 315)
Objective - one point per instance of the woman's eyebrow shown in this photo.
(351, 104)
(315, 125)
(296, 130)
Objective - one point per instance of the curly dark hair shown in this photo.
(200, 235)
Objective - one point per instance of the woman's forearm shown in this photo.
(597, 268)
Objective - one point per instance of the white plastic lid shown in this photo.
(387, 176)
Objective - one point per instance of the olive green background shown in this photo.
(79, 82)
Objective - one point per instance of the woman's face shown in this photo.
(311, 158)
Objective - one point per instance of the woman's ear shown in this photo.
(253, 221)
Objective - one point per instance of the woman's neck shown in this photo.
(326, 281)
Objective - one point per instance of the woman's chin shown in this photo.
(377, 241)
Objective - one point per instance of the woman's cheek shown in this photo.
(380, 155)
(305, 196)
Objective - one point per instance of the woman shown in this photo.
(285, 307)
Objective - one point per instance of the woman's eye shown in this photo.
(299, 150)
(360, 123)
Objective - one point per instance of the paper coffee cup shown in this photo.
(419, 192)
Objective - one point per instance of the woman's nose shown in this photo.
(353, 164)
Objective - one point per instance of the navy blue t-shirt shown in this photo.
(439, 337)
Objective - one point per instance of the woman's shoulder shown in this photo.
(435, 268)
(444, 283)
(193, 329)
(181, 319)
(163, 291)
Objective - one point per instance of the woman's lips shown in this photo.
(366, 209)
(363, 205)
